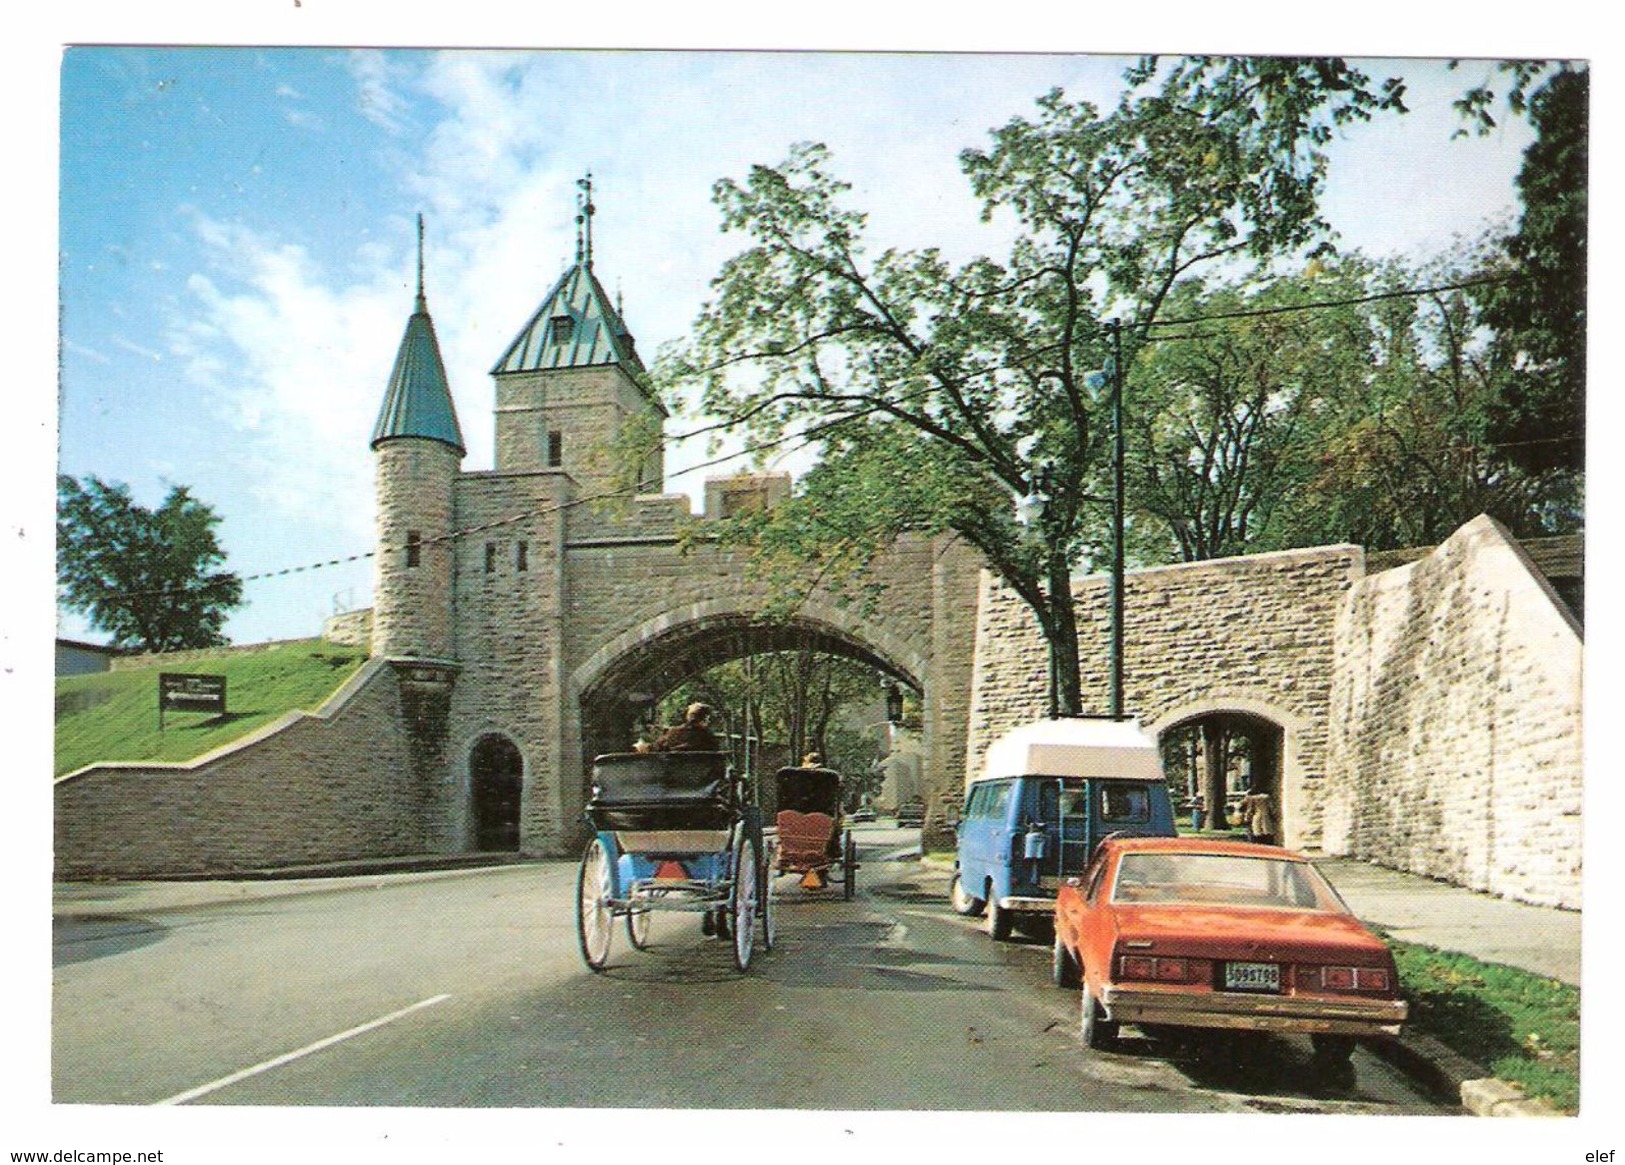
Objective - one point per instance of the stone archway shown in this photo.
(622, 681)
(1233, 745)
(496, 771)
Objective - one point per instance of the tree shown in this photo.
(793, 701)
(1540, 318)
(939, 394)
(1225, 418)
(147, 577)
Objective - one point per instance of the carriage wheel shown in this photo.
(769, 909)
(747, 876)
(849, 860)
(637, 927)
(594, 916)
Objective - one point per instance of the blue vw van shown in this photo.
(1047, 794)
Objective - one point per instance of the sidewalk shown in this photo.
(102, 899)
(1539, 939)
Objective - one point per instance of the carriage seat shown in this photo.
(662, 791)
(804, 837)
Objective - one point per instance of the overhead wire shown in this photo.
(811, 433)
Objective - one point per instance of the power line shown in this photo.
(811, 433)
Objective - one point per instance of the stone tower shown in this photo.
(571, 380)
(417, 449)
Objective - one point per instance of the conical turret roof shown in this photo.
(418, 401)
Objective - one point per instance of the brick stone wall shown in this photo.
(1455, 723)
(314, 787)
(1250, 634)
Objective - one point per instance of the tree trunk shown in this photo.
(1066, 680)
(1216, 762)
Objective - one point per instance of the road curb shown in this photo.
(1454, 1078)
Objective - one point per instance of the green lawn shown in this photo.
(1523, 1027)
(113, 716)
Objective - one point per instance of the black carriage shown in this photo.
(673, 831)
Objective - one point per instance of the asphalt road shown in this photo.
(466, 990)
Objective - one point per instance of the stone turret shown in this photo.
(418, 450)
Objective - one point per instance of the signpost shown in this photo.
(180, 692)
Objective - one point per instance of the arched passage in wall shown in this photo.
(1220, 750)
(496, 772)
(625, 680)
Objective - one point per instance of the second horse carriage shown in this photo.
(673, 831)
(813, 836)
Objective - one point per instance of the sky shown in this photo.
(237, 239)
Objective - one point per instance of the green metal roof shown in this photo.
(418, 400)
(574, 328)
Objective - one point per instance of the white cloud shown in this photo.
(296, 367)
(376, 77)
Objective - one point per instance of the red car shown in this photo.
(1168, 932)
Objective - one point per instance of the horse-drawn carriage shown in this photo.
(673, 832)
(813, 837)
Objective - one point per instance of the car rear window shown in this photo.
(1222, 880)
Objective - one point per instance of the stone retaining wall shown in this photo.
(1456, 746)
(313, 787)
(1250, 634)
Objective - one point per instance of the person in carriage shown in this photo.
(692, 735)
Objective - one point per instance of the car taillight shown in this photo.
(1331, 978)
(1154, 969)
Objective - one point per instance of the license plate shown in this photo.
(1252, 977)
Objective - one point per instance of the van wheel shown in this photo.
(962, 902)
(999, 921)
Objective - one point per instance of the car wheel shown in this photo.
(1098, 1033)
(963, 903)
(1063, 967)
(999, 921)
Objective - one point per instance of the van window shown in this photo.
(999, 796)
(1122, 804)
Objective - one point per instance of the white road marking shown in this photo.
(289, 1057)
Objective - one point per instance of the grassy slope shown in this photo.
(113, 716)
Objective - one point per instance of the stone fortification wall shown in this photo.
(1250, 634)
(314, 787)
(350, 628)
(1456, 723)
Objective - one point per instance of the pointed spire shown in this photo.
(422, 303)
(417, 402)
(584, 212)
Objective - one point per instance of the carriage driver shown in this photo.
(692, 735)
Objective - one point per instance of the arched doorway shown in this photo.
(1217, 758)
(496, 778)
